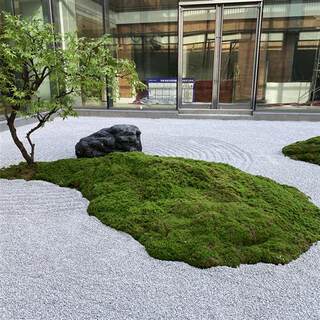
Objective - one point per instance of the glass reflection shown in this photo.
(237, 55)
(146, 32)
(289, 75)
(198, 55)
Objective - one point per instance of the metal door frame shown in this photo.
(218, 5)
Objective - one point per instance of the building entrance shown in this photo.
(218, 54)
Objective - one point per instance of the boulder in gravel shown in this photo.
(121, 137)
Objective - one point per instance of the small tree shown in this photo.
(31, 53)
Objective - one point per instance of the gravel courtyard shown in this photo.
(56, 262)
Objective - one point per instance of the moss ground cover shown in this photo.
(205, 214)
(308, 150)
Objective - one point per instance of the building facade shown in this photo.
(220, 54)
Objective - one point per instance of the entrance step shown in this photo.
(215, 112)
(216, 116)
(222, 114)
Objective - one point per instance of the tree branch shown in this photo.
(11, 124)
(33, 68)
(42, 120)
(64, 93)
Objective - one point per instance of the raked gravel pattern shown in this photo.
(56, 262)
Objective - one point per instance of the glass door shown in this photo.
(218, 54)
(198, 46)
(239, 33)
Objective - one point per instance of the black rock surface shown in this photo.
(121, 137)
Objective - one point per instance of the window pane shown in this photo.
(86, 18)
(146, 32)
(33, 9)
(197, 55)
(237, 56)
(289, 48)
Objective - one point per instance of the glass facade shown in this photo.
(30, 9)
(198, 46)
(86, 18)
(83, 16)
(219, 54)
(27, 9)
(289, 56)
(239, 33)
(146, 31)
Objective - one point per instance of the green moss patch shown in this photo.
(205, 214)
(308, 150)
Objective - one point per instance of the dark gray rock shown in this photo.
(121, 137)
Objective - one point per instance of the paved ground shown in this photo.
(56, 262)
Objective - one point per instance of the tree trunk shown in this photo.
(11, 124)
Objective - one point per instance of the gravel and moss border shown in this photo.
(205, 214)
(308, 150)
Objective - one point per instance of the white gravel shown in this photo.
(56, 262)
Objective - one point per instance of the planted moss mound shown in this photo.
(205, 214)
(308, 150)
